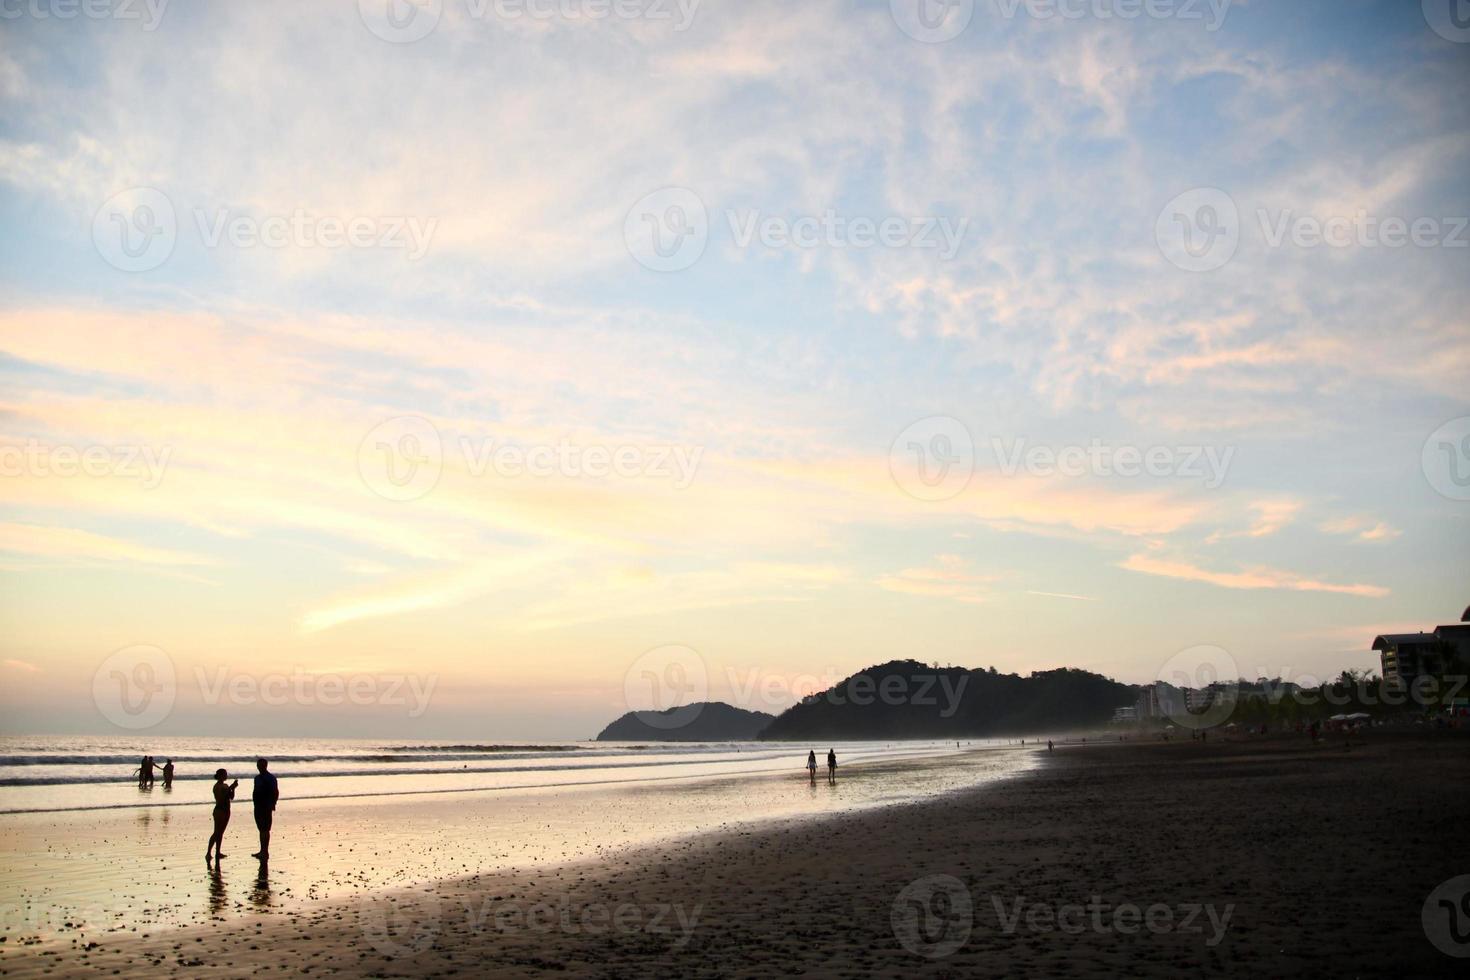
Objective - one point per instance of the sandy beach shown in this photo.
(1267, 857)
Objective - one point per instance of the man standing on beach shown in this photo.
(264, 796)
(831, 767)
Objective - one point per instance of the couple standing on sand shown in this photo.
(811, 766)
(264, 796)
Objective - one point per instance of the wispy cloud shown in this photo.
(949, 577)
(1252, 578)
(1360, 527)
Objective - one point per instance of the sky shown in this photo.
(488, 368)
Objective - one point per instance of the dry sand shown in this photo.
(1272, 857)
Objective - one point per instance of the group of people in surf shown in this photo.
(144, 772)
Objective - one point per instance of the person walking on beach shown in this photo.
(264, 796)
(222, 796)
(831, 768)
(811, 765)
(168, 774)
(1049, 746)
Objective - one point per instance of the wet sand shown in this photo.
(1263, 858)
(92, 875)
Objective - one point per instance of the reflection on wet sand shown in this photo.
(218, 898)
(260, 895)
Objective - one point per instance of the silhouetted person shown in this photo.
(168, 774)
(1049, 746)
(145, 771)
(811, 765)
(222, 796)
(264, 796)
(831, 767)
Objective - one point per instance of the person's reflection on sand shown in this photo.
(260, 896)
(218, 899)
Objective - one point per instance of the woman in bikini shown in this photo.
(222, 796)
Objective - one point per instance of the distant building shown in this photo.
(1406, 657)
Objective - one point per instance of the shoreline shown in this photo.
(1257, 845)
(94, 876)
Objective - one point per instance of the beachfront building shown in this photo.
(1407, 656)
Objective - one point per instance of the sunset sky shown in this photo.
(293, 435)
